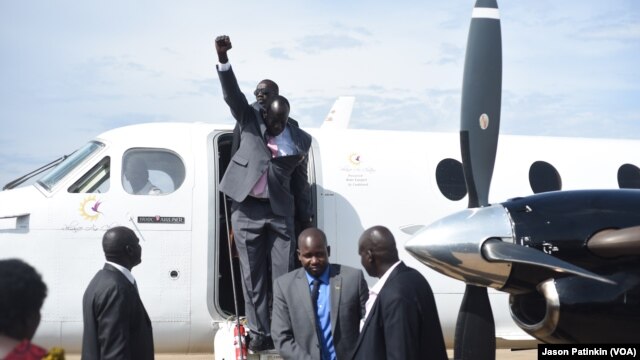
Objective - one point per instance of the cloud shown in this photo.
(614, 32)
(312, 44)
(379, 107)
(448, 54)
(205, 87)
(279, 53)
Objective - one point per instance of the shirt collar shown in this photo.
(378, 286)
(124, 271)
(324, 277)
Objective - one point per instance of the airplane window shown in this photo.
(450, 179)
(152, 172)
(64, 168)
(544, 177)
(629, 177)
(95, 180)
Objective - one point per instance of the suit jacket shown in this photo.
(293, 319)
(403, 322)
(116, 324)
(287, 175)
(235, 141)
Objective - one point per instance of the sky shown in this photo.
(72, 69)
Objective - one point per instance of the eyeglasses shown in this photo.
(262, 91)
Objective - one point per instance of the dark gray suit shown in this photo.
(116, 324)
(293, 328)
(263, 229)
(403, 323)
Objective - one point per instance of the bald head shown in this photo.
(121, 246)
(310, 236)
(377, 249)
(313, 251)
(277, 115)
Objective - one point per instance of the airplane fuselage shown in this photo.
(359, 178)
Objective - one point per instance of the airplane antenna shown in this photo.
(137, 228)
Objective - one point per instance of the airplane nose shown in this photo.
(453, 245)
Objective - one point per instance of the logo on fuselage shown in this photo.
(90, 208)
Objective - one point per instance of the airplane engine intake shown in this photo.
(579, 310)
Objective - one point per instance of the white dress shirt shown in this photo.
(374, 291)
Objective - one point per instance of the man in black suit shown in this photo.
(339, 304)
(267, 181)
(402, 320)
(116, 324)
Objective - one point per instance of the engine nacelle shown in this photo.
(580, 310)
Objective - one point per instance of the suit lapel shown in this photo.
(302, 285)
(374, 308)
(123, 279)
(262, 128)
(335, 283)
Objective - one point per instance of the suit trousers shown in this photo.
(264, 242)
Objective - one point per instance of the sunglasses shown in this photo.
(264, 92)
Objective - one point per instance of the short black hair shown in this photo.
(115, 240)
(22, 293)
(271, 85)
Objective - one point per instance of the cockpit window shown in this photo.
(151, 172)
(50, 180)
(95, 180)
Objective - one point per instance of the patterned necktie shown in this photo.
(315, 292)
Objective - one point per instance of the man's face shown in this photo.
(136, 251)
(313, 256)
(275, 123)
(365, 259)
(264, 94)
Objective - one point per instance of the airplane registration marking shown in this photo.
(485, 13)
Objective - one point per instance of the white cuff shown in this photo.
(224, 67)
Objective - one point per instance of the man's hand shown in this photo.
(223, 44)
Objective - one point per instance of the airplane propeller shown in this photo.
(477, 245)
(479, 128)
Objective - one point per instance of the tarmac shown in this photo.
(501, 354)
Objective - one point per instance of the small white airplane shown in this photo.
(360, 178)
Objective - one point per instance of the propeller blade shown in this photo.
(496, 250)
(479, 128)
(475, 329)
(481, 96)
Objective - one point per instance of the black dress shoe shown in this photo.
(260, 343)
